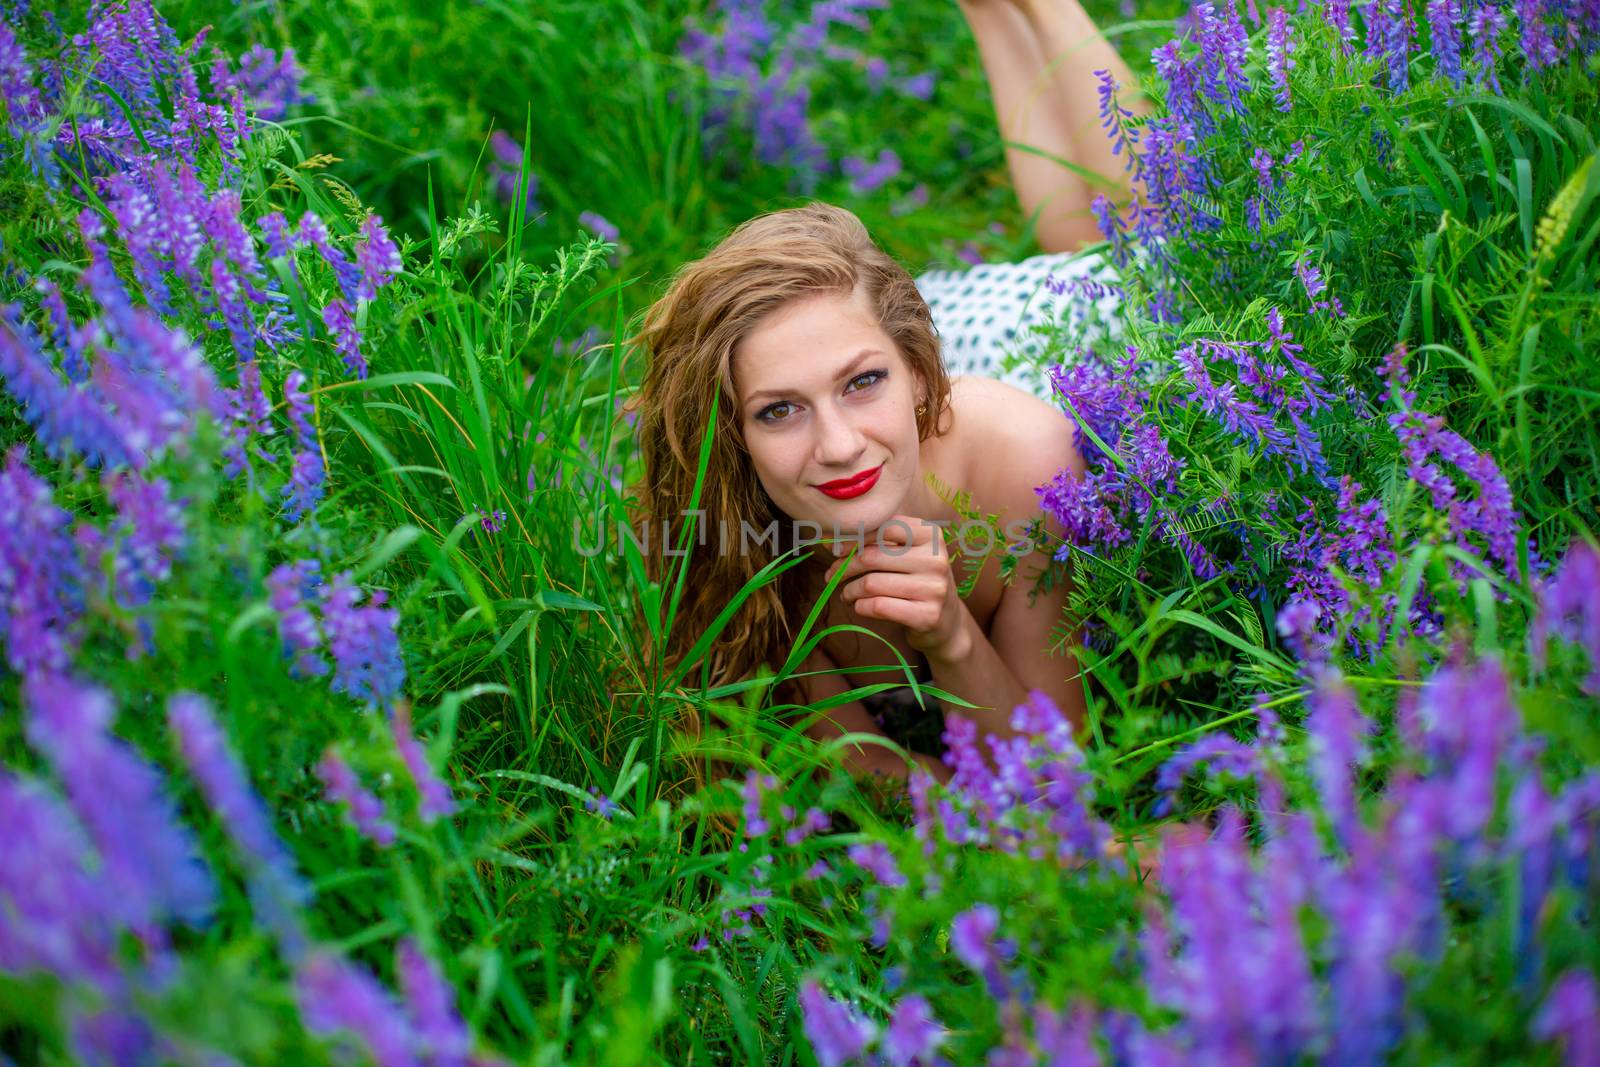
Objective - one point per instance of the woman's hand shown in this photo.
(907, 580)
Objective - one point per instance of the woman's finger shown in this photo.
(891, 583)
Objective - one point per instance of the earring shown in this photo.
(922, 409)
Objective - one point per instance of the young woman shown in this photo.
(834, 405)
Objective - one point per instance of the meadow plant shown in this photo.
(285, 493)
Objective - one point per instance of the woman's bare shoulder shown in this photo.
(1008, 438)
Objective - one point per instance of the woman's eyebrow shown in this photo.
(849, 370)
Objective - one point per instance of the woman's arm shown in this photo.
(853, 717)
(997, 669)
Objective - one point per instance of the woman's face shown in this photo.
(824, 395)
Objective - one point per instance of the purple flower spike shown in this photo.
(64, 418)
(1569, 608)
(304, 490)
(836, 1033)
(431, 1002)
(436, 801)
(289, 587)
(972, 939)
(867, 176)
(1113, 119)
(1444, 28)
(366, 650)
(1066, 1040)
(377, 257)
(57, 912)
(1539, 46)
(341, 324)
(42, 578)
(1488, 23)
(600, 226)
(1280, 58)
(271, 83)
(336, 995)
(1571, 1015)
(152, 862)
(274, 881)
(1338, 743)
(754, 791)
(914, 1033)
(875, 860)
(364, 809)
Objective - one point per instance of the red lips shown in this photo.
(854, 485)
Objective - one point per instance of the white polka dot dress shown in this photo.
(994, 320)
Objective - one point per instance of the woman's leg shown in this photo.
(1040, 57)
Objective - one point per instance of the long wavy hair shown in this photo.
(690, 336)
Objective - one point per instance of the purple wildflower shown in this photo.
(290, 586)
(1311, 279)
(1109, 221)
(304, 489)
(363, 809)
(1113, 119)
(336, 995)
(1280, 58)
(1183, 88)
(1065, 1039)
(1538, 44)
(1444, 27)
(42, 579)
(1390, 33)
(919, 86)
(1240, 416)
(915, 199)
(377, 257)
(361, 637)
(507, 173)
(866, 176)
(60, 912)
(249, 417)
(1490, 514)
(314, 232)
(599, 803)
(600, 226)
(341, 324)
(1569, 608)
(1338, 730)
(1365, 547)
(1570, 1014)
(152, 862)
(875, 860)
(836, 1033)
(756, 787)
(1218, 753)
(1487, 24)
(1224, 47)
(436, 801)
(815, 821)
(430, 1002)
(225, 784)
(1337, 14)
(1242, 980)
(973, 940)
(271, 82)
(913, 1033)
(64, 418)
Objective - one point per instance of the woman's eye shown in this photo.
(770, 414)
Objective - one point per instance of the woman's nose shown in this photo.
(839, 439)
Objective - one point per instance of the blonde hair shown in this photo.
(690, 336)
